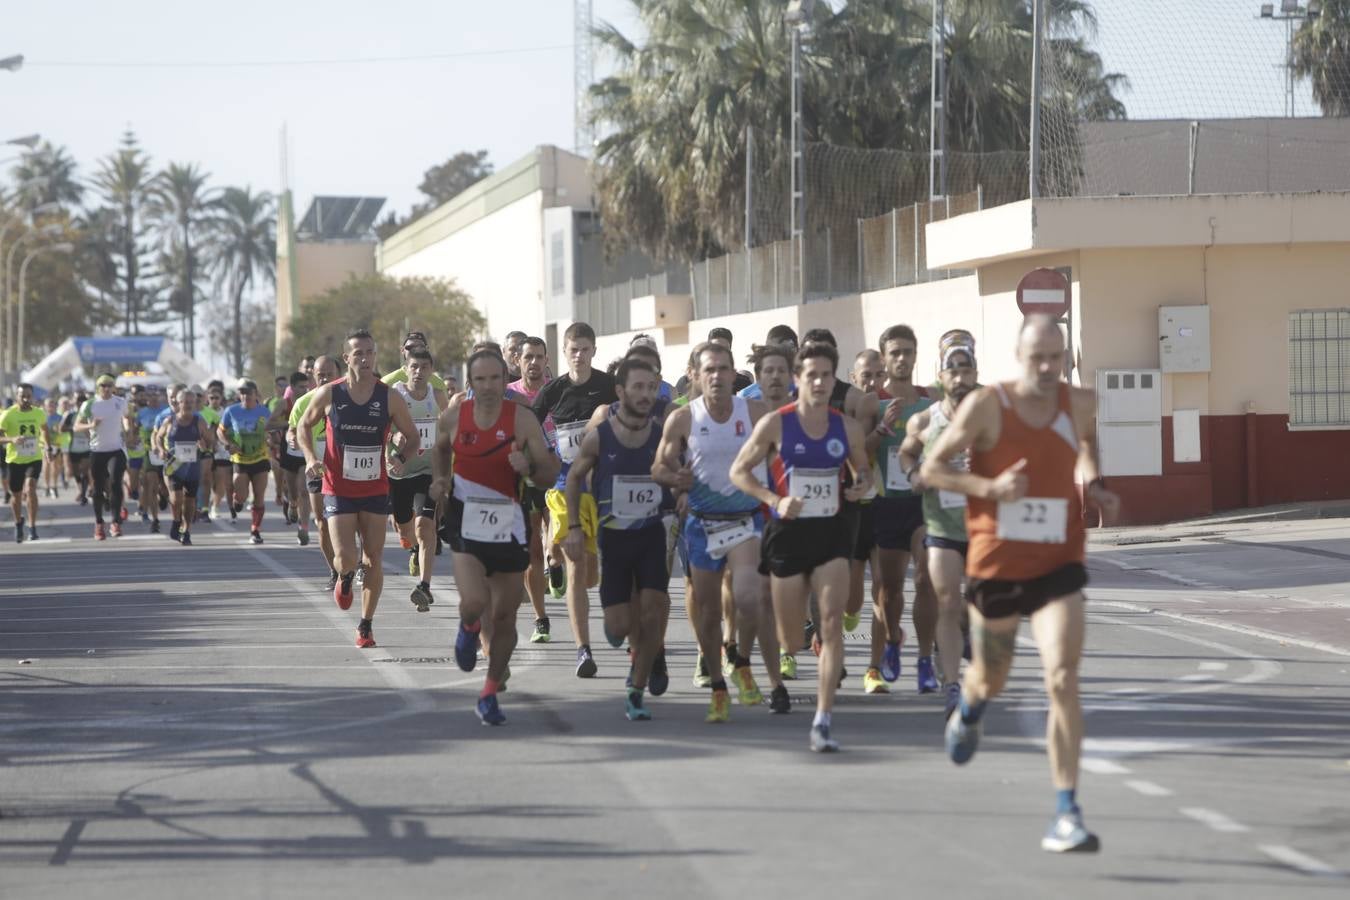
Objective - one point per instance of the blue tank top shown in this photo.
(634, 490)
(798, 450)
(185, 434)
(353, 464)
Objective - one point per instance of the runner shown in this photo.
(54, 472)
(898, 522)
(292, 461)
(514, 345)
(325, 370)
(184, 435)
(778, 336)
(360, 410)
(410, 488)
(220, 469)
(723, 527)
(153, 494)
(634, 580)
(107, 419)
(533, 362)
(866, 377)
(416, 340)
(944, 512)
(808, 544)
(243, 431)
(494, 444)
(1026, 439)
(24, 432)
(77, 452)
(568, 402)
(135, 450)
(156, 449)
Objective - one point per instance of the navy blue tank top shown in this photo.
(187, 436)
(822, 460)
(353, 463)
(622, 482)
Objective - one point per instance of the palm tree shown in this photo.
(50, 174)
(244, 250)
(1322, 55)
(180, 205)
(125, 182)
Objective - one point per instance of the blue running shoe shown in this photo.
(634, 709)
(1068, 834)
(953, 701)
(489, 713)
(659, 680)
(928, 682)
(890, 661)
(962, 738)
(466, 650)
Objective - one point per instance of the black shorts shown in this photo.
(998, 599)
(19, 472)
(412, 495)
(261, 467)
(895, 519)
(933, 542)
(153, 470)
(496, 558)
(532, 500)
(292, 463)
(863, 537)
(77, 458)
(632, 560)
(798, 547)
(187, 487)
(345, 506)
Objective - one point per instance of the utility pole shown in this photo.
(937, 115)
(1037, 26)
(798, 18)
(583, 76)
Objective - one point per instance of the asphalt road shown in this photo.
(179, 721)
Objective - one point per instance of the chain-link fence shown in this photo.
(606, 309)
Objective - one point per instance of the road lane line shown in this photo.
(1098, 766)
(1309, 865)
(1216, 821)
(1247, 630)
(1148, 788)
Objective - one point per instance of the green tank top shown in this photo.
(425, 412)
(891, 480)
(944, 512)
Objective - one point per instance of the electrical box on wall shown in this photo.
(1129, 421)
(1183, 338)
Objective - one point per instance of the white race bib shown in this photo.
(156, 458)
(722, 536)
(896, 479)
(1036, 520)
(426, 431)
(951, 500)
(294, 451)
(488, 521)
(320, 447)
(634, 497)
(79, 442)
(222, 454)
(185, 452)
(819, 490)
(569, 438)
(26, 446)
(361, 463)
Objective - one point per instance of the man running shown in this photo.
(944, 512)
(325, 370)
(1026, 439)
(410, 486)
(243, 431)
(533, 362)
(494, 444)
(54, 472)
(108, 419)
(723, 526)
(634, 581)
(568, 402)
(416, 340)
(808, 544)
(24, 432)
(184, 435)
(77, 452)
(511, 350)
(292, 460)
(360, 411)
(218, 474)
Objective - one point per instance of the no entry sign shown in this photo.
(1043, 291)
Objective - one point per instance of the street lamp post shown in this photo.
(9, 360)
(1290, 12)
(798, 18)
(63, 247)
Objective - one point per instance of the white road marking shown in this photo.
(1213, 666)
(1310, 865)
(1148, 788)
(1098, 766)
(1198, 676)
(1249, 631)
(1214, 820)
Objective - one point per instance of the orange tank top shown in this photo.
(1043, 532)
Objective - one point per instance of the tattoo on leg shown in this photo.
(996, 648)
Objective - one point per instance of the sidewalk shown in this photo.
(1172, 531)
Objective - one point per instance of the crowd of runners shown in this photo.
(777, 489)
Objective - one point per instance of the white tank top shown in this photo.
(713, 447)
(425, 412)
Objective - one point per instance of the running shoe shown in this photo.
(255, 537)
(729, 654)
(659, 680)
(1068, 834)
(851, 621)
(541, 632)
(557, 582)
(821, 742)
(701, 677)
(779, 701)
(117, 529)
(342, 591)
(466, 649)
(124, 514)
(953, 700)
(927, 680)
(365, 637)
(163, 501)
(719, 708)
(890, 661)
(489, 713)
(421, 596)
(615, 641)
(634, 709)
(154, 526)
(412, 562)
(83, 499)
(18, 532)
(962, 737)
(302, 537)
(965, 642)
(145, 516)
(32, 534)
(808, 634)
(186, 539)
(747, 692)
(873, 683)
(332, 580)
(585, 662)
(787, 666)
(236, 509)
(404, 543)
(99, 534)
(175, 531)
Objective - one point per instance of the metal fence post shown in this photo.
(727, 259)
(829, 262)
(916, 243)
(862, 277)
(895, 247)
(775, 274)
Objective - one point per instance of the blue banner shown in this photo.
(123, 349)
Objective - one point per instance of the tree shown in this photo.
(439, 184)
(244, 251)
(1322, 55)
(124, 181)
(181, 207)
(383, 305)
(46, 174)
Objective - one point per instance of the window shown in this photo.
(559, 284)
(1319, 368)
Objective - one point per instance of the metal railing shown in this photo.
(606, 309)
